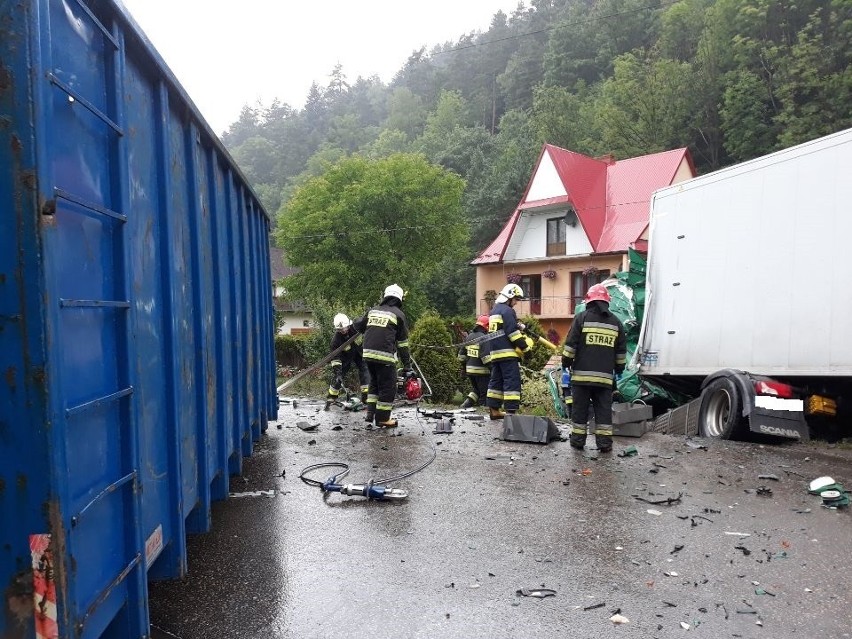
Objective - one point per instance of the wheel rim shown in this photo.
(717, 413)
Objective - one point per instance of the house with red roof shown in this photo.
(572, 228)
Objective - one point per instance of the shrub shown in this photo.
(535, 395)
(538, 356)
(290, 351)
(438, 365)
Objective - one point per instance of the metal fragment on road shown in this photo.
(540, 593)
(651, 511)
(595, 606)
(738, 534)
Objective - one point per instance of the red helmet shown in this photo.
(597, 292)
(482, 321)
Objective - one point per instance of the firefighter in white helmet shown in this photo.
(385, 330)
(350, 356)
(504, 387)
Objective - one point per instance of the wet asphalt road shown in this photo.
(448, 561)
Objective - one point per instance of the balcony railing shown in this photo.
(545, 307)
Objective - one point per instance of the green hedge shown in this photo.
(290, 351)
(438, 365)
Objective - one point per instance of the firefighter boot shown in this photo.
(371, 414)
(603, 438)
(468, 402)
(390, 423)
(495, 413)
(577, 438)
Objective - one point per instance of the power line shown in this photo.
(429, 226)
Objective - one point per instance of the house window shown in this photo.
(555, 236)
(580, 283)
(531, 285)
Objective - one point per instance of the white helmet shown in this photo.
(509, 291)
(394, 290)
(341, 321)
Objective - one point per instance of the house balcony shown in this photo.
(559, 307)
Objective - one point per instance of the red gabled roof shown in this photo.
(611, 198)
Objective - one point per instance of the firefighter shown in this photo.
(505, 352)
(595, 351)
(350, 356)
(474, 368)
(385, 332)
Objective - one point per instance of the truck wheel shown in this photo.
(720, 414)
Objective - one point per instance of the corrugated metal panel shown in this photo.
(135, 319)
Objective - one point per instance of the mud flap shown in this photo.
(779, 423)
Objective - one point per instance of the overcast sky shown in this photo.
(227, 54)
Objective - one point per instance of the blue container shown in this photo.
(136, 323)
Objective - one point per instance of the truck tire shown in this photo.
(720, 415)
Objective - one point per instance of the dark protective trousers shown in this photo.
(504, 387)
(382, 390)
(601, 399)
(480, 389)
(337, 381)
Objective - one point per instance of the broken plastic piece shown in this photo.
(651, 511)
(619, 619)
(820, 483)
(541, 593)
(684, 625)
(630, 451)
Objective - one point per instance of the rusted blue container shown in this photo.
(136, 322)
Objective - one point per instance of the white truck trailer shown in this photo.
(749, 292)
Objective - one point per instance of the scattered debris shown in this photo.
(670, 604)
(738, 534)
(594, 606)
(651, 511)
(696, 445)
(671, 573)
(684, 625)
(764, 491)
(254, 493)
(307, 426)
(763, 591)
(541, 593)
(312, 442)
(630, 451)
(618, 619)
(772, 477)
(677, 549)
(338, 427)
(668, 501)
(746, 552)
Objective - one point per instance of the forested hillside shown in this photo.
(730, 79)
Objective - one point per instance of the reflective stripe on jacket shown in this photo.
(471, 355)
(385, 332)
(595, 348)
(503, 318)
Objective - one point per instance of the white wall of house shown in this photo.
(529, 241)
(295, 320)
(546, 182)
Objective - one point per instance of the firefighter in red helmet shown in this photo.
(595, 351)
(476, 370)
